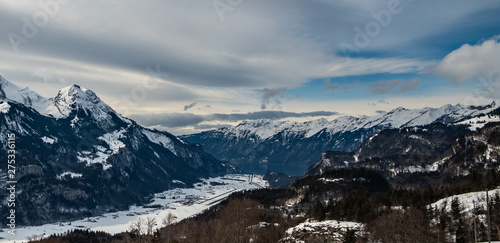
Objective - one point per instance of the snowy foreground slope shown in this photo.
(183, 203)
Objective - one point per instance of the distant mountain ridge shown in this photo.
(77, 157)
(291, 143)
(421, 156)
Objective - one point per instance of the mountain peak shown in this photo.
(399, 109)
(14, 93)
(75, 91)
(75, 98)
(4, 85)
(256, 123)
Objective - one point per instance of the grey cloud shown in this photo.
(211, 126)
(271, 96)
(336, 86)
(188, 119)
(169, 119)
(381, 112)
(410, 85)
(332, 87)
(273, 115)
(256, 46)
(222, 54)
(187, 107)
(384, 87)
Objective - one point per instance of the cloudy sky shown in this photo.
(186, 66)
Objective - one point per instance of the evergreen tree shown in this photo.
(455, 209)
(349, 236)
(318, 211)
(460, 234)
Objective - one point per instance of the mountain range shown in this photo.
(77, 157)
(285, 144)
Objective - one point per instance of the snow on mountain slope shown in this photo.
(478, 122)
(87, 159)
(71, 174)
(262, 128)
(79, 99)
(48, 140)
(99, 157)
(397, 118)
(68, 100)
(12, 92)
(4, 107)
(301, 143)
(112, 139)
(466, 200)
(160, 139)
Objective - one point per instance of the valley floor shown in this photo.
(182, 202)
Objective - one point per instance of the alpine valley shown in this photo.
(76, 157)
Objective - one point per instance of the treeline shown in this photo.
(402, 215)
(390, 214)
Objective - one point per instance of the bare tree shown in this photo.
(168, 219)
(237, 216)
(35, 237)
(137, 226)
(409, 226)
(150, 224)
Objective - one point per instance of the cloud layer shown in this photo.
(189, 119)
(253, 59)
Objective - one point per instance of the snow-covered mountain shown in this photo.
(69, 99)
(286, 143)
(77, 157)
(423, 155)
(14, 93)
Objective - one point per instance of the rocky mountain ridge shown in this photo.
(77, 157)
(294, 143)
